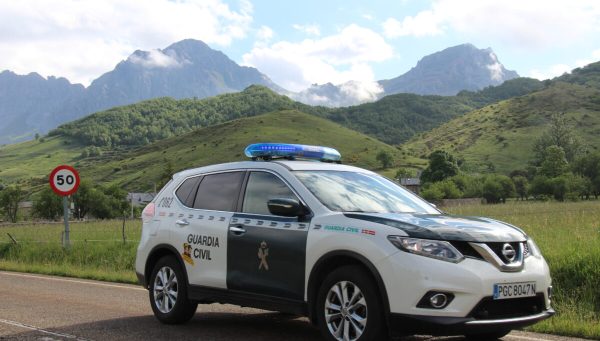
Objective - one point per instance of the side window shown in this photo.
(185, 192)
(219, 192)
(262, 187)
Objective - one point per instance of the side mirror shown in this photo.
(286, 207)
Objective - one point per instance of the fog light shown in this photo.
(435, 300)
(438, 301)
(550, 292)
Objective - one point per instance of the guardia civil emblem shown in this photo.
(263, 252)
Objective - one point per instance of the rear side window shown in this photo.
(261, 188)
(219, 192)
(185, 192)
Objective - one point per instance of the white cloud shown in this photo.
(551, 72)
(528, 24)
(337, 58)
(82, 39)
(264, 34)
(425, 23)
(560, 69)
(310, 29)
(156, 59)
(362, 91)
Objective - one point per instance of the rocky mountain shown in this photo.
(30, 103)
(447, 72)
(186, 69)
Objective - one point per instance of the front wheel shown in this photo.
(349, 307)
(168, 293)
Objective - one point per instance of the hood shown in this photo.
(446, 227)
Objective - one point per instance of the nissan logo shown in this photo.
(509, 252)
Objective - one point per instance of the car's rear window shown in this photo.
(219, 192)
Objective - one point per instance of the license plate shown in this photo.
(514, 290)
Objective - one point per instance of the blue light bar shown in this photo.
(291, 151)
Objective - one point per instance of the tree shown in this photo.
(497, 188)
(384, 158)
(554, 163)
(541, 186)
(589, 167)
(470, 186)
(561, 133)
(442, 165)
(47, 205)
(167, 173)
(9, 202)
(405, 173)
(521, 184)
(83, 199)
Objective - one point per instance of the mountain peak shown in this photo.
(447, 72)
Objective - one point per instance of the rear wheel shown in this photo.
(487, 336)
(168, 292)
(349, 307)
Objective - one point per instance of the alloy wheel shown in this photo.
(345, 311)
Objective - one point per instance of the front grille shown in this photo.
(497, 248)
(466, 249)
(490, 309)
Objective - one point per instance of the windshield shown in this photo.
(358, 192)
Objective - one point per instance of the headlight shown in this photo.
(429, 248)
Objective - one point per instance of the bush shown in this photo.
(441, 190)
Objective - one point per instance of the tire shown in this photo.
(487, 336)
(170, 305)
(336, 298)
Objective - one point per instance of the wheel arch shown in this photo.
(157, 253)
(333, 260)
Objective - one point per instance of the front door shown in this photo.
(266, 254)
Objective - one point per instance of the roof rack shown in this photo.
(287, 151)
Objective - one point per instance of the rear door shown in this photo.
(266, 254)
(200, 232)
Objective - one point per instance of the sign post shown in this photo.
(64, 181)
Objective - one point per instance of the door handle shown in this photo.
(237, 230)
(182, 222)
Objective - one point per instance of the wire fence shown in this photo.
(91, 231)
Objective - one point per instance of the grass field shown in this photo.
(567, 233)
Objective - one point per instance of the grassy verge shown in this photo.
(97, 250)
(567, 233)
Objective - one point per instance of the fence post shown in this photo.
(11, 238)
(123, 230)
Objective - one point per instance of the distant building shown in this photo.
(412, 184)
(140, 199)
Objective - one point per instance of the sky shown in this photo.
(302, 42)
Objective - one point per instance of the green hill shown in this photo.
(141, 168)
(393, 119)
(502, 134)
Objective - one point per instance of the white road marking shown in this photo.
(525, 337)
(26, 326)
(73, 281)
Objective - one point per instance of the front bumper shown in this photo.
(401, 324)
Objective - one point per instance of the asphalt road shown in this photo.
(36, 307)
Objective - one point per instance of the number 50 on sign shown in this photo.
(64, 180)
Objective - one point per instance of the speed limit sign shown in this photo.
(64, 180)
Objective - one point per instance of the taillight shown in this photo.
(148, 212)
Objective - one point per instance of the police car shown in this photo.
(359, 255)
